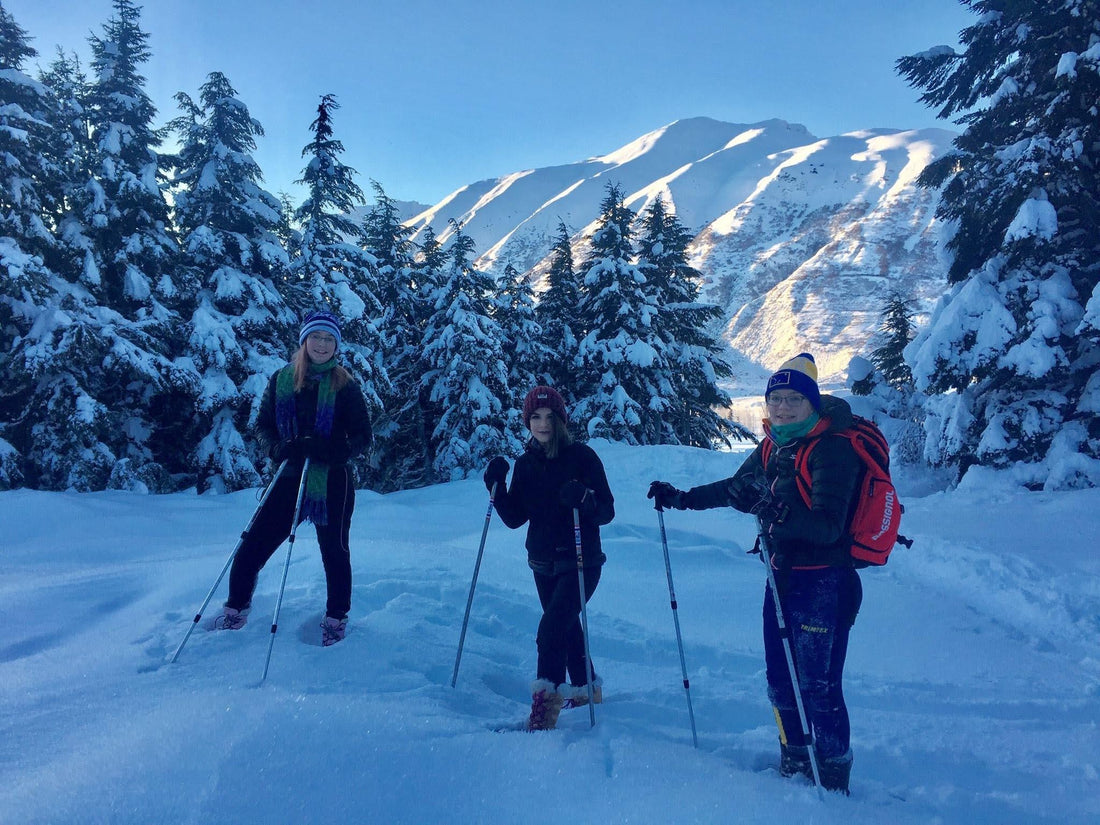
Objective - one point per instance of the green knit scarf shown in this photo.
(314, 504)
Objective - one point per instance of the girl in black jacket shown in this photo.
(311, 409)
(553, 477)
(819, 589)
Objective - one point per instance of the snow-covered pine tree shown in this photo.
(683, 324)
(885, 378)
(513, 307)
(623, 386)
(330, 269)
(896, 331)
(134, 270)
(1008, 351)
(25, 130)
(70, 150)
(84, 379)
(25, 237)
(240, 328)
(556, 314)
(400, 458)
(465, 373)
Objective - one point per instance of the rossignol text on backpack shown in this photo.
(876, 511)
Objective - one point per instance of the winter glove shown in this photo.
(573, 493)
(665, 495)
(496, 473)
(770, 510)
(741, 488)
(319, 449)
(289, 449)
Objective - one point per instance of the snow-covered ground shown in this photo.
(973, 677)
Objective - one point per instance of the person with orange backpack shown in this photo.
(802, 482)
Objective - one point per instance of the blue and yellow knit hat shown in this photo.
(320, 321)
(799, 374)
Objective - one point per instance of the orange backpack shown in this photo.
(876, 511)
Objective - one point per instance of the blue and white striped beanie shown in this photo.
(320, 321)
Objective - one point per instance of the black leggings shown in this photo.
(561, 638)
(272, 527)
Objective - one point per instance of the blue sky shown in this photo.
(435, 95)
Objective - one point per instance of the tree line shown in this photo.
(147, 296)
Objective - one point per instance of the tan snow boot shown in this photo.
(545, 706)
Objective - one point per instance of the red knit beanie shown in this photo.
(543, 397)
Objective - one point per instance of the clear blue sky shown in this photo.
(438, 94)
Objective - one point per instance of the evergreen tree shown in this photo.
(683, 325)
(896, 331)
(70, 151)
(400, 431)
(465, 373)
(1016, 379)
(331, 270)
(25, 131)
(429, 278)
(93, 380)
(556, 315)
(623, 387)
(514, 309)
(240, 329)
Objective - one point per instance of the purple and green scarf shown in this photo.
(314, 506)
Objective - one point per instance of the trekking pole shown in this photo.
(473, 582)
(584, 618)
(228, 561)
(784, 634)
(286, 566)
(676, 621)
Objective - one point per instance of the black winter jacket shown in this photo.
(351, 428)
(809, 536)
(533, 497)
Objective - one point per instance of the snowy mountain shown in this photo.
(799, 238)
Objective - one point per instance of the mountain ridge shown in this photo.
(800, 239)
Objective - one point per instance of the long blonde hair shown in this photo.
(340, 376)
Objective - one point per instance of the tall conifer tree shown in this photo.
(623, 383)
(1011, 355)
(330, 268)
(683, 326)
(465, 373)
(239, 328)
(556, 314)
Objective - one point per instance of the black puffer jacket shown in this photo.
(351, 428)
(533, 497)
(809, 536)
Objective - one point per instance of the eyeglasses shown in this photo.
(320, 338)
(793, 400)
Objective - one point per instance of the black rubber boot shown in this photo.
(835, 772)
(794, 760)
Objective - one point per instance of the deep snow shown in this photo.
(972, 678)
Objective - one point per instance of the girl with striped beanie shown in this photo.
(312, 409)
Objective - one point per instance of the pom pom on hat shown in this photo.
(799, 374)
(320, 321)
(544, 397)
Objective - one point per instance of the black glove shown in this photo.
(572, 494)
(317, 448)
(289, 449)
(665, 495)
(496, 473)
(741, 488)
(770, 509)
